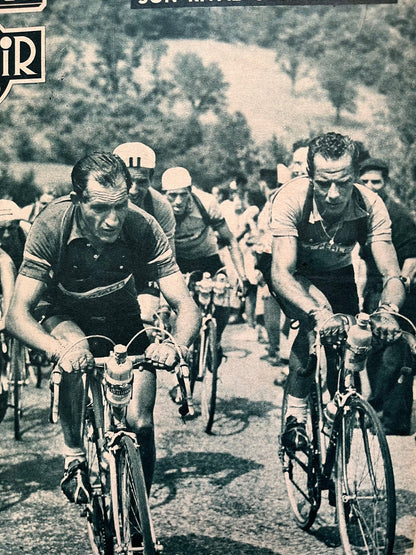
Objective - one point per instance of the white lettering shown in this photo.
(20, 65)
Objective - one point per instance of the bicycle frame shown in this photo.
(118, 506)
(347, 455)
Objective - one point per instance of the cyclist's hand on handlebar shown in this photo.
(162, 354)
(332, 328)
(385, 326)
(77, 360)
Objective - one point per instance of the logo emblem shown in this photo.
(13, 6)
(22, 57)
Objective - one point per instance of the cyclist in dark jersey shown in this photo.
(86, 257)
(199, 224)
(140, 160)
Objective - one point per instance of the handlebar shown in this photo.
(180, 368)
(349, 320)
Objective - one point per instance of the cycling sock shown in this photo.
(297, 407)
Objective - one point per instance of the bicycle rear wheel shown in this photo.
(209, 371)
(100, 531)
(131, 511)
(301, 472)
(4, 381)
(365, 494)
(17, 379)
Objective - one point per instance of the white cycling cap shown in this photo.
(9, 211)
(136, 155)
(176, 178)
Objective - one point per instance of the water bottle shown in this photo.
(358, 344)
(119, 377)
(204, 288)
(221, 290)
(329, 413)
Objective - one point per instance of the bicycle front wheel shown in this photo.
(131, 511)
(209, 371)
(99, 528)
(301, 472)
(365, 494)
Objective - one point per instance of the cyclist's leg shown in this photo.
(75, 482)
(70, 396)
(140, 419)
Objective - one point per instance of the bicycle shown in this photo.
(349, 457)
(14, 375)
(118, 512)
(209, 293)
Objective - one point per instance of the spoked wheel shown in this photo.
(365, 494)
(131, 511)
(100, 531)
(300, 470)
(209, 367)
(4, 381)
(17, 380)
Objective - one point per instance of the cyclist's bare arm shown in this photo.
(298, 292)
(235, 252)
(176, 293)
(7, 279)
(409, 269)
(19, 319)
(386, 260)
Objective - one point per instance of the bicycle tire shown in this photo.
(209, 371)
(17, 374)
(132, 519)
(99, 527)
(365, 493)
(301, 472)
(4, 384)
(194, 363)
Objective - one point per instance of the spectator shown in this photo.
(391, 368)
(30, 211)
(272, 313)
(298, 166)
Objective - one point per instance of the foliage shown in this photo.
(22, 191)
(93, 98)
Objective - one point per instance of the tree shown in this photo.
(202, 86)
(336, 82)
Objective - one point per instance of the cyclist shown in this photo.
(86, 256)
(140, 160)
(7, 279)
(13, 230)
(316, 221)
(199, 222)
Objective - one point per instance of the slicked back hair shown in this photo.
(104, 167)
(332, 146)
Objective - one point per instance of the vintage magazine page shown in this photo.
(225, 89)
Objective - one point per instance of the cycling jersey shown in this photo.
(94, 286)
(194, 236)
(318, 252)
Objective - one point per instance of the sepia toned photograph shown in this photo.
(208, 277)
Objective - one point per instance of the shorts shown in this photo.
(120, 329)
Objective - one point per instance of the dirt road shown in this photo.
(212, 495)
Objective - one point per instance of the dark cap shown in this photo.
(374, 164)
